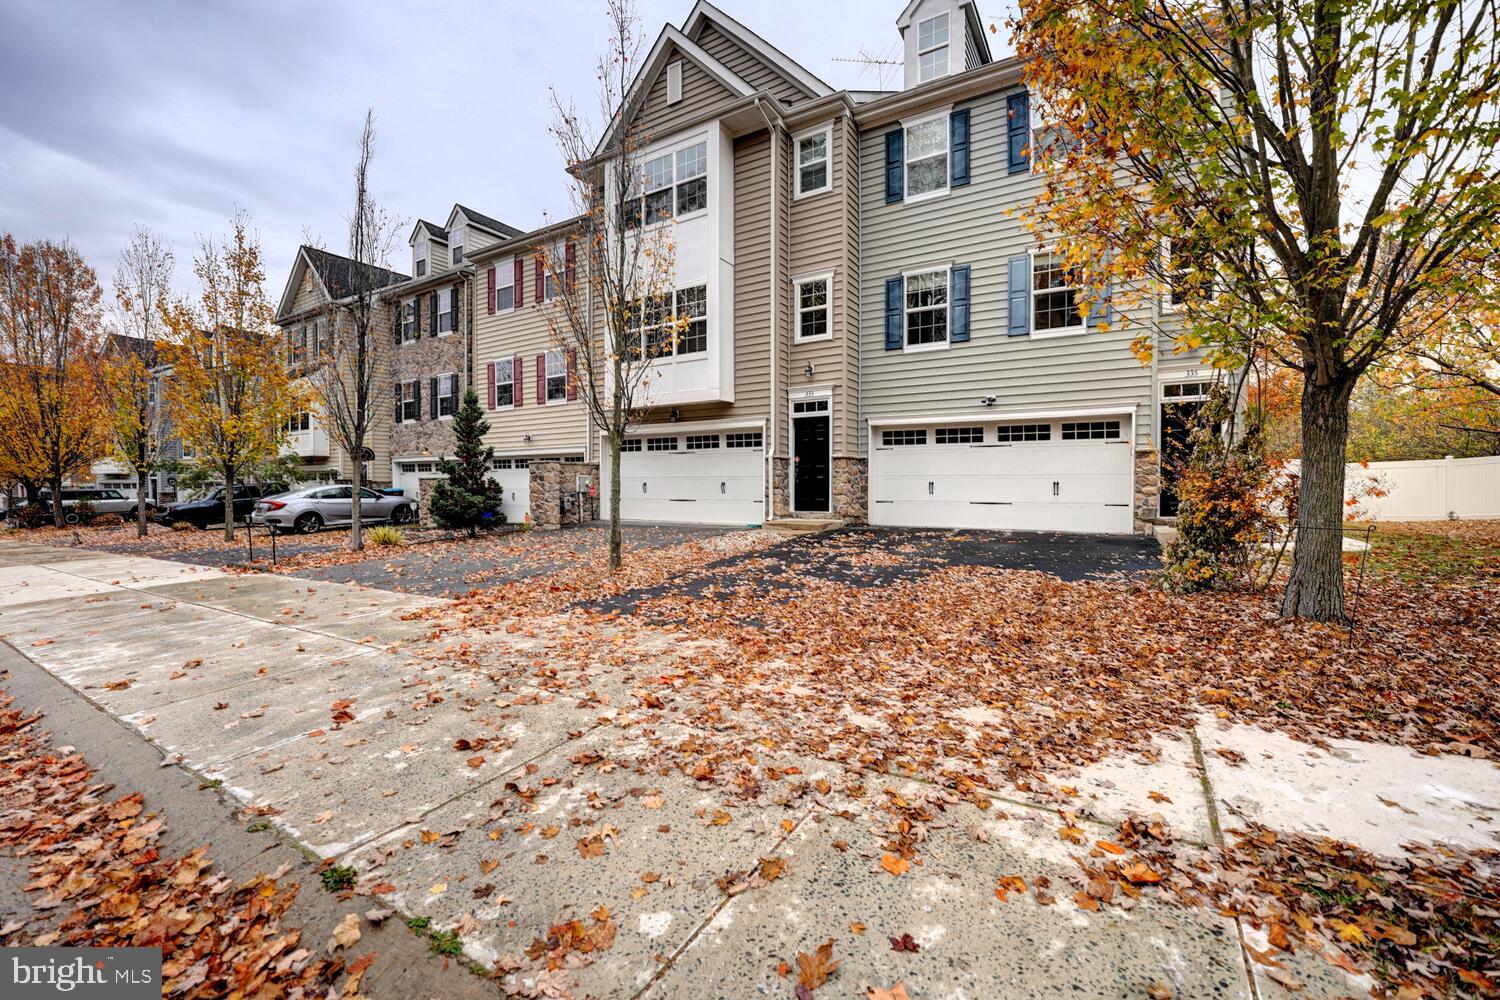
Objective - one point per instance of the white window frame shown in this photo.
(942, 115)
(456, 247)
(415, 402)
(939, 345)
(555, 358)
(947, 43)
(445, 313)
(408, 322)
(419, 258)
(505, 277)
(671, 153)
(444, 381)
(510, 380)
(1062, 331)
(826, 132)
(826, 307)
(552, 277)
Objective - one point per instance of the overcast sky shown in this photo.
(172, 113)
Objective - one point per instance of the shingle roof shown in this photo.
(119, 343)
(435, 230)
(490, 223)
(337, 273)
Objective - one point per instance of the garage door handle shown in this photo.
(929, 489)
(722, 491)
(643, 487)
(1055, 485)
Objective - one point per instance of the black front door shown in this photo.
(1177, 421)
(810, 463)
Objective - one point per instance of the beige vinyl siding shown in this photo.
(823, 239)
(477, 240)
(970, 225)
(747, 65)
(310, 294)
(700, 94)
(554, 428)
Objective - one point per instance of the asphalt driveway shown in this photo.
(878, 557)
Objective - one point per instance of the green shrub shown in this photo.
(383, 535)
(468, 498)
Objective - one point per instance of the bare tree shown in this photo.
(618, 314)
(143, 285)
(350, 366)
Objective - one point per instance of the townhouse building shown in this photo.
(317, 295)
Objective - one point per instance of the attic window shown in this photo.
(419, 259)
(456, 243)
(932, 48)
(674, 81)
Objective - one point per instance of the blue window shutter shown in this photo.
(895, 153)
(958, 148)
(893, 293)
(1019, 132)
(1102, 311)
(958, 328)
(1019, 295)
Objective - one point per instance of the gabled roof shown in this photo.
(482, 221)
(426, 230)
(653, 64)
(971, 18)
(704, 12)
(120, 344)
(335, 273)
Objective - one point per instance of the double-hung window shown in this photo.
(552, 265)
(408, 321)
(447, 395)
(447, 317)
(926, 148)
(1054, 295)
(813, 153)
(926, 308)
(673, 323)
(299, 421)
(692, 320)
(673, 184)
(505, 285)
(297, 348)
(932, 48)
(505, 382)
(419, 259)
(411, 402)
(456, 245)
(813, 308)
(557, 376)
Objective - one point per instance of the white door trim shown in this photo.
(810, 394)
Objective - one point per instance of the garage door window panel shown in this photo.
(959, 435)
(1021, 433)
(746, 439)
(1091, 430)
(661, 444)
(702, 442)
(903, 438)
(630, 444)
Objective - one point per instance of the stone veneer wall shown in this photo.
(781, 488)
(850, 492)
(1147, 489)
(549, 481)
(423, 358)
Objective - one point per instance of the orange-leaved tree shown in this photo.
(229, 390)
(51, 404)
(1302, 176)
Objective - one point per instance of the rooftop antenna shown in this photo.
(881, 65)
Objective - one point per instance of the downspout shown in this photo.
(773, 122)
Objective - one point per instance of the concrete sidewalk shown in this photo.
(555, 815)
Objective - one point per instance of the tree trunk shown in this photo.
(229, 504)
(1316, 587)
(615, 545)
(57, 502)
(140, 503)
(356, 529)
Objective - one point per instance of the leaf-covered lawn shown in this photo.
(1426, 551)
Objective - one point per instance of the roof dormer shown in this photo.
(941, 38)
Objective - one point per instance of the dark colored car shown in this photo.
(209, 510)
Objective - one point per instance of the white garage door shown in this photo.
(514, 477)
(710, 478)
(1064, 475)
(409, 476)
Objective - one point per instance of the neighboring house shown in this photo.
(317, 295)
(111, 473)
(989, 400)
(526, 382)
(433, 329)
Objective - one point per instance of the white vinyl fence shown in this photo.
(1427, 491)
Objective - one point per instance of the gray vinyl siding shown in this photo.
(824, 238)
(700, 94)
(747, 65)
(970, 225)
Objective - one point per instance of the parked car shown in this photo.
(104, 501)
(309, 510)
(209, 510)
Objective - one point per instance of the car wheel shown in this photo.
(71, 517)
(401, 515)
(308, 524)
